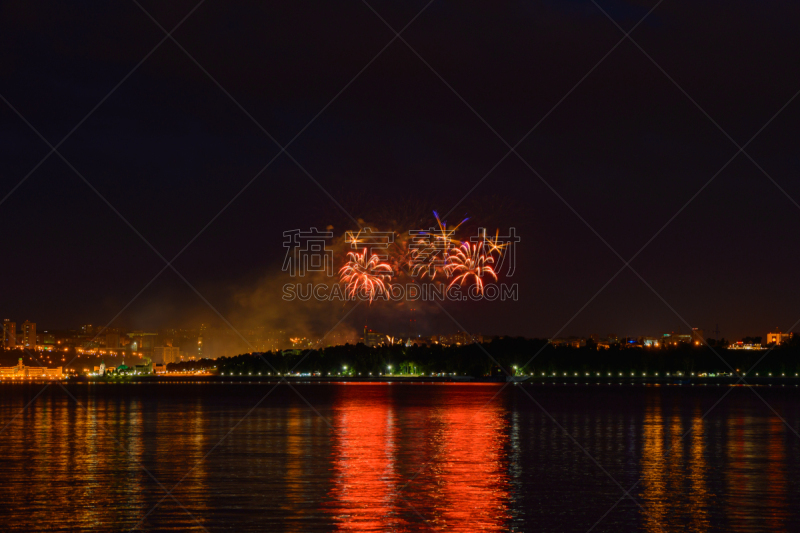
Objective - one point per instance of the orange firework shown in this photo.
(434, 256)
(493, 244)
(470, 261)
(365, 272)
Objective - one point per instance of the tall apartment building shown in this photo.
(9, 334)
(29, 335)
(200, 341)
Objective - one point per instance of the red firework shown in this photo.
(365, 272)
(470, 261)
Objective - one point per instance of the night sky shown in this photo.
(637, 151)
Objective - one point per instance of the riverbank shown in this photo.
(200, 379)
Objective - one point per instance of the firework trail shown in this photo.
(365, 272)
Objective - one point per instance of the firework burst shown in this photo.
(470, 262)
(436, 254)
(433, 251)
(365, 272)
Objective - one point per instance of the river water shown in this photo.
(399, 457)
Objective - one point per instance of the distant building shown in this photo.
(778, 338)
(142, 341)
(741, 345)
(22, 371)
(676, 338)
(655, 342)
(458, 338)
(144, 369)
(112, 340)
(572, 342)
(698, 337)
(9, 334)
(200, 341)
(29, 335)
(373, 338)
(136, 369)
(167, 354)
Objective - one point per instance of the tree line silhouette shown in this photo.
(509, 355)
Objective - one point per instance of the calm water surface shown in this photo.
(399, 457)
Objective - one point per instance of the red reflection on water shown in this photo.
(776, 474)
(457, 480)
(364, 480)
(742, 481)
(472, 468)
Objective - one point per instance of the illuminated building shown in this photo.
(777, 338)
(457, 339)
(676, 338)
(22, 371)
(740, 345)
(167, 354)
(373, 338)
(9, 334)
(144, 369)
(200, 341)
(651, 341)
(143, 341)
(136, 369)
(29, 334)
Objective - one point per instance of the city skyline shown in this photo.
(169, 345)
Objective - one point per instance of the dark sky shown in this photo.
(614, 161)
